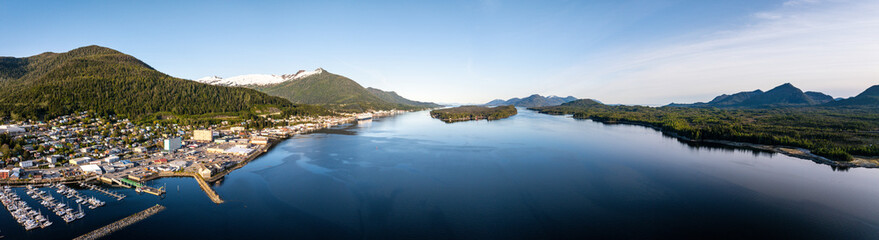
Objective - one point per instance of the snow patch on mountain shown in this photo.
(257, 79)
(302, 73)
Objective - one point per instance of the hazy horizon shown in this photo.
(620, 52)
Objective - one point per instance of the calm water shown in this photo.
(529, 176)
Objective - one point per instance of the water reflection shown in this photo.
(529, 176)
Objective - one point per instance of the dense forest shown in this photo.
(393, 97)
(108, 82)
(466, 113)
(10, 146)
(835, 133)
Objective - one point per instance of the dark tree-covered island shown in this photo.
(467, 113)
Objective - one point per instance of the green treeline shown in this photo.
(12, 147)
(108, 82)
(465, 113)
(835, 133)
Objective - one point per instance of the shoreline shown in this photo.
(205, 184)
(473, 113)
(796, 152)
(273, 141)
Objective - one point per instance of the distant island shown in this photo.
(467, 113)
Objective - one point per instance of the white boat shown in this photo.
(30, 224)
(364, 116)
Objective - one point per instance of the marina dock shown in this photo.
(116, 195)
(118, 225)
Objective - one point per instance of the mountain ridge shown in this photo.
(867, 98)
(784, 95)
(535, 100)
(323, 88)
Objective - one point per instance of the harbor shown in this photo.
(73, 199)
(61, 209)
(75, 196)
(25, 215)
(92, 219)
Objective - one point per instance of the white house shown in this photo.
(53, 158)
(27, 164)
(140, 150)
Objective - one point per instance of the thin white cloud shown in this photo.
(826, 46)
(768, 16)
(800, 2)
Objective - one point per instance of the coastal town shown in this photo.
(89, 152)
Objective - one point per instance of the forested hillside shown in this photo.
(109, 82)
(338, 92)
(393, 97)
(833, 132)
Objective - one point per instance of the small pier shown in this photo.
(118, 225)
(138, 187)
(207, 189)
(201, 183)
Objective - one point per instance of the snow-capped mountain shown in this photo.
(257, 79)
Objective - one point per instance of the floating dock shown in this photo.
(116, 195)
(118, 225)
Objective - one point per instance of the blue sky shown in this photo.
(631, 52)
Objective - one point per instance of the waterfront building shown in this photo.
(238, 150)
(204, 171)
